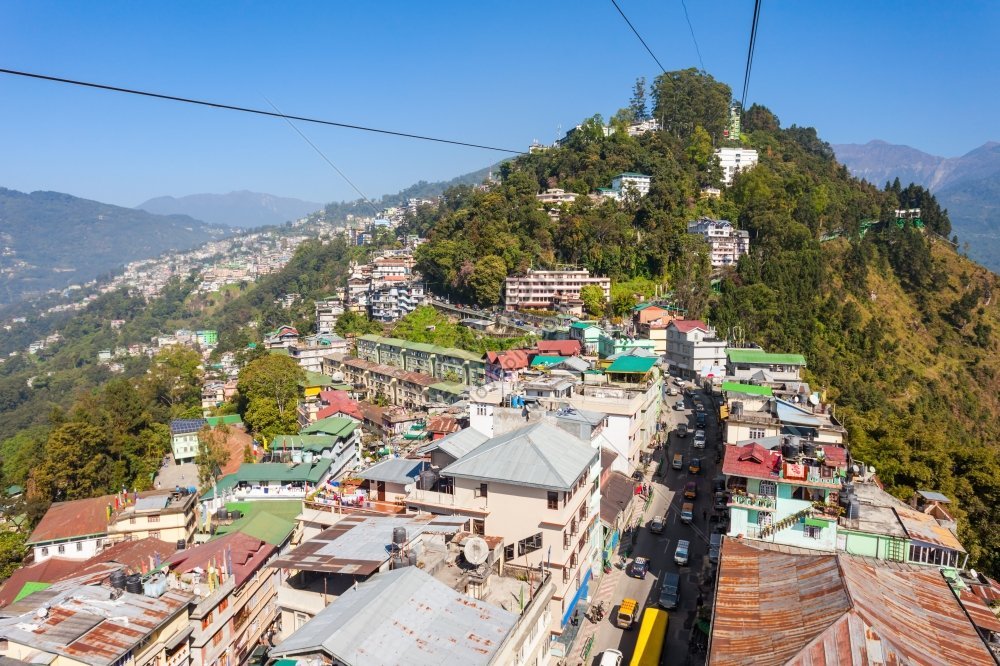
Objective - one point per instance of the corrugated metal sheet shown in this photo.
(922, 527)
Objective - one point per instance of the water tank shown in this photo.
(411, 559)
(399, 536)
(117, 579)
(809, 449)
(222, 514)
(307, 457)
(133, 584)
(790, 450)
(155, 586)
(235, 515)
(296, 456)
(181, 544)
(428, 478)
(854, 508)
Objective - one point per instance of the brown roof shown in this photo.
(443, 424)
(616, 493)
(77, 518)
(560, 347)
(135, 555)
(247, 554)
(49, 571)
(777, 606)
(922, 527)
(236, 441)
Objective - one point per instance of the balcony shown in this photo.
(753, 502)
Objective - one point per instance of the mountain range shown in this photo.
(242, 209)
(968, 186)
(50, 240)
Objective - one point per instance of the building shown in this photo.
(184, 443)
(556, 196)
(281, 338)
(588, 334)
(726, 243)
(641, 127)
(757, 365)
(271, 481)
(751, 413)
(542, 290)
(229, 615)
(328, 311)
(537, 490)
(207, 338)
(734, 160)
(400, 388)
(694, 349)
(390, 300)
(780, 605)
(74, 624)
(310, 351)
(637, 183)
(444, 363)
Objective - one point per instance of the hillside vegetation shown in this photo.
(896, 327)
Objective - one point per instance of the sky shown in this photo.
(499, 73)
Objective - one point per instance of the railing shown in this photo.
(757, 502)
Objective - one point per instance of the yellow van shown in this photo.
(626, 613)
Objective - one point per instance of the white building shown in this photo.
(694, 349)
(733, 160)
(555, 196)
(629, 180)
(643, 126)
(543, 289)
(727, 244)
(327, 313)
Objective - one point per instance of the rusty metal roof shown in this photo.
(923, 527)
(86, 622)
(78, 518)
(776, 606)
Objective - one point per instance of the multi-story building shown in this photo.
(759, 366)
(555, 196)
(734, 160)
(636, 182)
(328, 311)
(753, 412)
(543, 289)
(694, 349)
(444, 363)
(312, 349)
(726, 243)
(536, 489)
(271, 481)
(391, 299)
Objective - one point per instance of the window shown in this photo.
(300, 619)
(152, 519)
(756, 433)
(529, 544)
(217, 638)
(483, 489)
(62, 549)
(131, 521)
(553, 499)
(813, 532)
(223, 605)
(79, 546)
(45, 551)
(154, 534)
(769, 488)
(206, 621)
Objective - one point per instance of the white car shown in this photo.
(699, 439)
(681, 552)
(611, 658)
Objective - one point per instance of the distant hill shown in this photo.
(968, 186)
(50, 240)
(241, 209)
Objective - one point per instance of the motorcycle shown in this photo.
(597, 612)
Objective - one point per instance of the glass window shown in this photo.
(553, 499)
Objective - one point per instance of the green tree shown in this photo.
(354, 323)
(637, 104)
(174, 380)
(75, 465)
(12, 551)
(487, 280)
(593, 300)
(269, 390)
(688, 98)
(213, 454)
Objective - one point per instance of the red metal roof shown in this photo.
(49, 571)
(513, 359)
(559, 347)
(751, 460)
(688, 325)
(443, 424)
(77, 518)
(248, 555)
(338, 402)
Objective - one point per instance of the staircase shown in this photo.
(785, 522)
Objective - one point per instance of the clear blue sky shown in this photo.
(926, 74)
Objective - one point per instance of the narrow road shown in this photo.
(659, 548)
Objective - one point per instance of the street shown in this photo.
(668, 485)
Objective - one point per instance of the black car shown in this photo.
(639, 567)
(670, 590)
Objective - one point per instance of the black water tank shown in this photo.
(235, 515)
(133, 584)
(181, 544)
(117, 579)
(809, 449)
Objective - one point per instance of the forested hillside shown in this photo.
(896, 327)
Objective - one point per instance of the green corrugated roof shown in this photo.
(424, 347)
(337, 426)
(634, 364)
(272, 521)
(633, 173)
(542, 359)
(31, 587)
(316, 379)
(749, 389)
(312, 443)
(762, 357)
(455, 388)
(280, 472)
(583, 324)
(228, 419)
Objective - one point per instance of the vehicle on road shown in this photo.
(656, 525)
(682, 430)
(695, 466)
(678, 461)
(626, 613)
(639, 567)
(700, 419)
(721, 501)
(611, 658)
(691, 490)
(670, 590)
(698, 407)
(699, 439)
(671, 390)
(687, 512)
(679, 405)
(719, 484)
(681, 552)
(652, 633)
(714, 547)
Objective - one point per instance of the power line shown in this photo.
(636, 34)
(693, 38)
(260, 112)
(325, 158)
(750, 51)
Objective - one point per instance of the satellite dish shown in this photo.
(814, 399)
(476, 550)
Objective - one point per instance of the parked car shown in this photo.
(687, 512)
(679, 405)
(719, 484)
(640, 566)
(721, 500)
(682, 430)
(681, 552)
(656, 525)
(714, 546)
(611, 658)
(699, 439)
(694, 467)
(678, 461)
(627, 611)
(700, 419)
(671, 390)
(670, 590)
(691, 490)
(698, 407)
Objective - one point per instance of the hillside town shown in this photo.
(528, 506)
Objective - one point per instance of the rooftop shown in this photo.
(457, 444)
(73, 519)
(273, 472)
(421, 346)
(337, 426)
(749, 389)
(403, 616)
(247, 554)
(780, 605)
(558, 347)
(272, 521)
(633, 364)
(402, 471)
(761, 357)
(540, 455)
